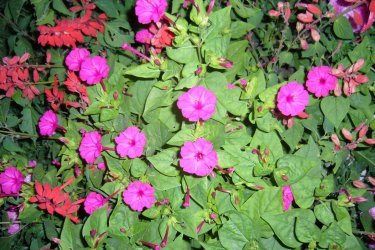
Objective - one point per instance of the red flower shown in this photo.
(74, 84)
(55, 97)
(162, 38)
(56, 200)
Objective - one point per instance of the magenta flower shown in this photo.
(94, 69)
(32, 163)
(48, 123)
(130, 142)
(320, 81)
(101, 166)
(197, 104)
(292, 99)
(198, 157)
(139, 195)
(287, 197)
(150, 10)
(360, 18)
(372, 212)
(144, 36)
(75, 58)
(13, 228)
(11, 180)
(93, 202)
(91, 146)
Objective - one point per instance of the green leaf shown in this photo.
(157, 135)
(326, 187)
(70, 237)
(335, 108)
(143, 71)
(306, 231)
(342, 28)
(163, 161)
(333, 234)
(98, 222)
(11, 146)
(237, 231)
(118, 32)
(323, 213)
(186, 53)
(139, 92)
(60, 7)
(138, 167)
(121, 217)
(293, 135)
(108, 7)
(181, 137)
(28, 121)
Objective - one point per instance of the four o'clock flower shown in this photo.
(287, 197)
(94, 69)
(48, 124)
(198, 103)
(91, 146)
(130, 142)
(93, 202)
(150, 10)
(11, 180)
(75, 58)
(198, 157)
(139, 195)
(292, 99)
(320, 81)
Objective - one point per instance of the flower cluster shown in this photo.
(69, 32)
(15, 74)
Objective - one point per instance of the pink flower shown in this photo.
(292, 99)
(139, 195)
(93, 202)
(360, 18)
(372, 212)
(101, 166)
(320, 81)
(287, 197)
(32, 163)
(144, 36)
(130, 143)
(13, 228)
(198, 157)
(230, 86)
(197, 104)
(150, 10)
(91, 146)
(75, 58)
(94, 69)
(11, 180)
(48, 123)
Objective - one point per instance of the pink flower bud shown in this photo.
(359, 199)
(314, 9)
(303, 115)
(305, 18)
(93, 233)
(359, 184)
(351, 146)
(371, 180)
(358, 65)
(361, 78)
(274, 13)
(346, 133)
(198, 71)
(304, 44)
(335, 140)
(337, 91)
(24, 57)
(363, 131)
(315, 35)
(338, 72)
(210, 7)
(48, 57)
(213, 216)
(115, 95)
(370, 141)
(299, 26)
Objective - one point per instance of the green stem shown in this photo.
(5, 132)
(47, 82)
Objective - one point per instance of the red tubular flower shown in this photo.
(56, 200)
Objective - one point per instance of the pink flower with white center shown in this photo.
(292, 99)
(48, 123)
(198, 157)
(150, 10)
(130, 142)
(139, 195)
(198, 103)
(144, 36)
(11, 180)
(94, 69)
(93, 202)
(320, 81)
(75, 58)
(287, 197)
(91, 146)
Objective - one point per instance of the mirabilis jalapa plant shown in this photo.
(212, 126)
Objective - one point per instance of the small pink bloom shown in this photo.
(292, 99)
(12, 215)
(13, 228)
(11, 180)
(144, 36)
(150, 10)
(94, 69)
(320, 81)
(197, 104)
(198, 157)
(139, 195)
(101, 166)
(91, 146)
(287, 197)
(48, 123)
(75, 58)
(372, 212)
(93, 202)
(130, 142)
(32, 163)
(213, 216)
(230, 86)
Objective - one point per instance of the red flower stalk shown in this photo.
(165, 239)
(56, 200)
(187, 198)
(199, 228)
(129, 48)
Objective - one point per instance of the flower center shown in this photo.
(290, 98)
(199, 156)
(322, 81)
(140, 193)
(132, 143)
(198, 105)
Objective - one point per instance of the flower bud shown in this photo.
(359, 199)
(314, 9)
(315, 35)
(371, 180)
(337, 91)
(115, 95)
(305, 18)
(370, 141)
(363, 131)
(299, 26)
(352, 146)
(346, 133)
(361, 78)
(274, 13)
(304, 44)
(359, 184)
(358, 65)
(335, 140)
(213, 216)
